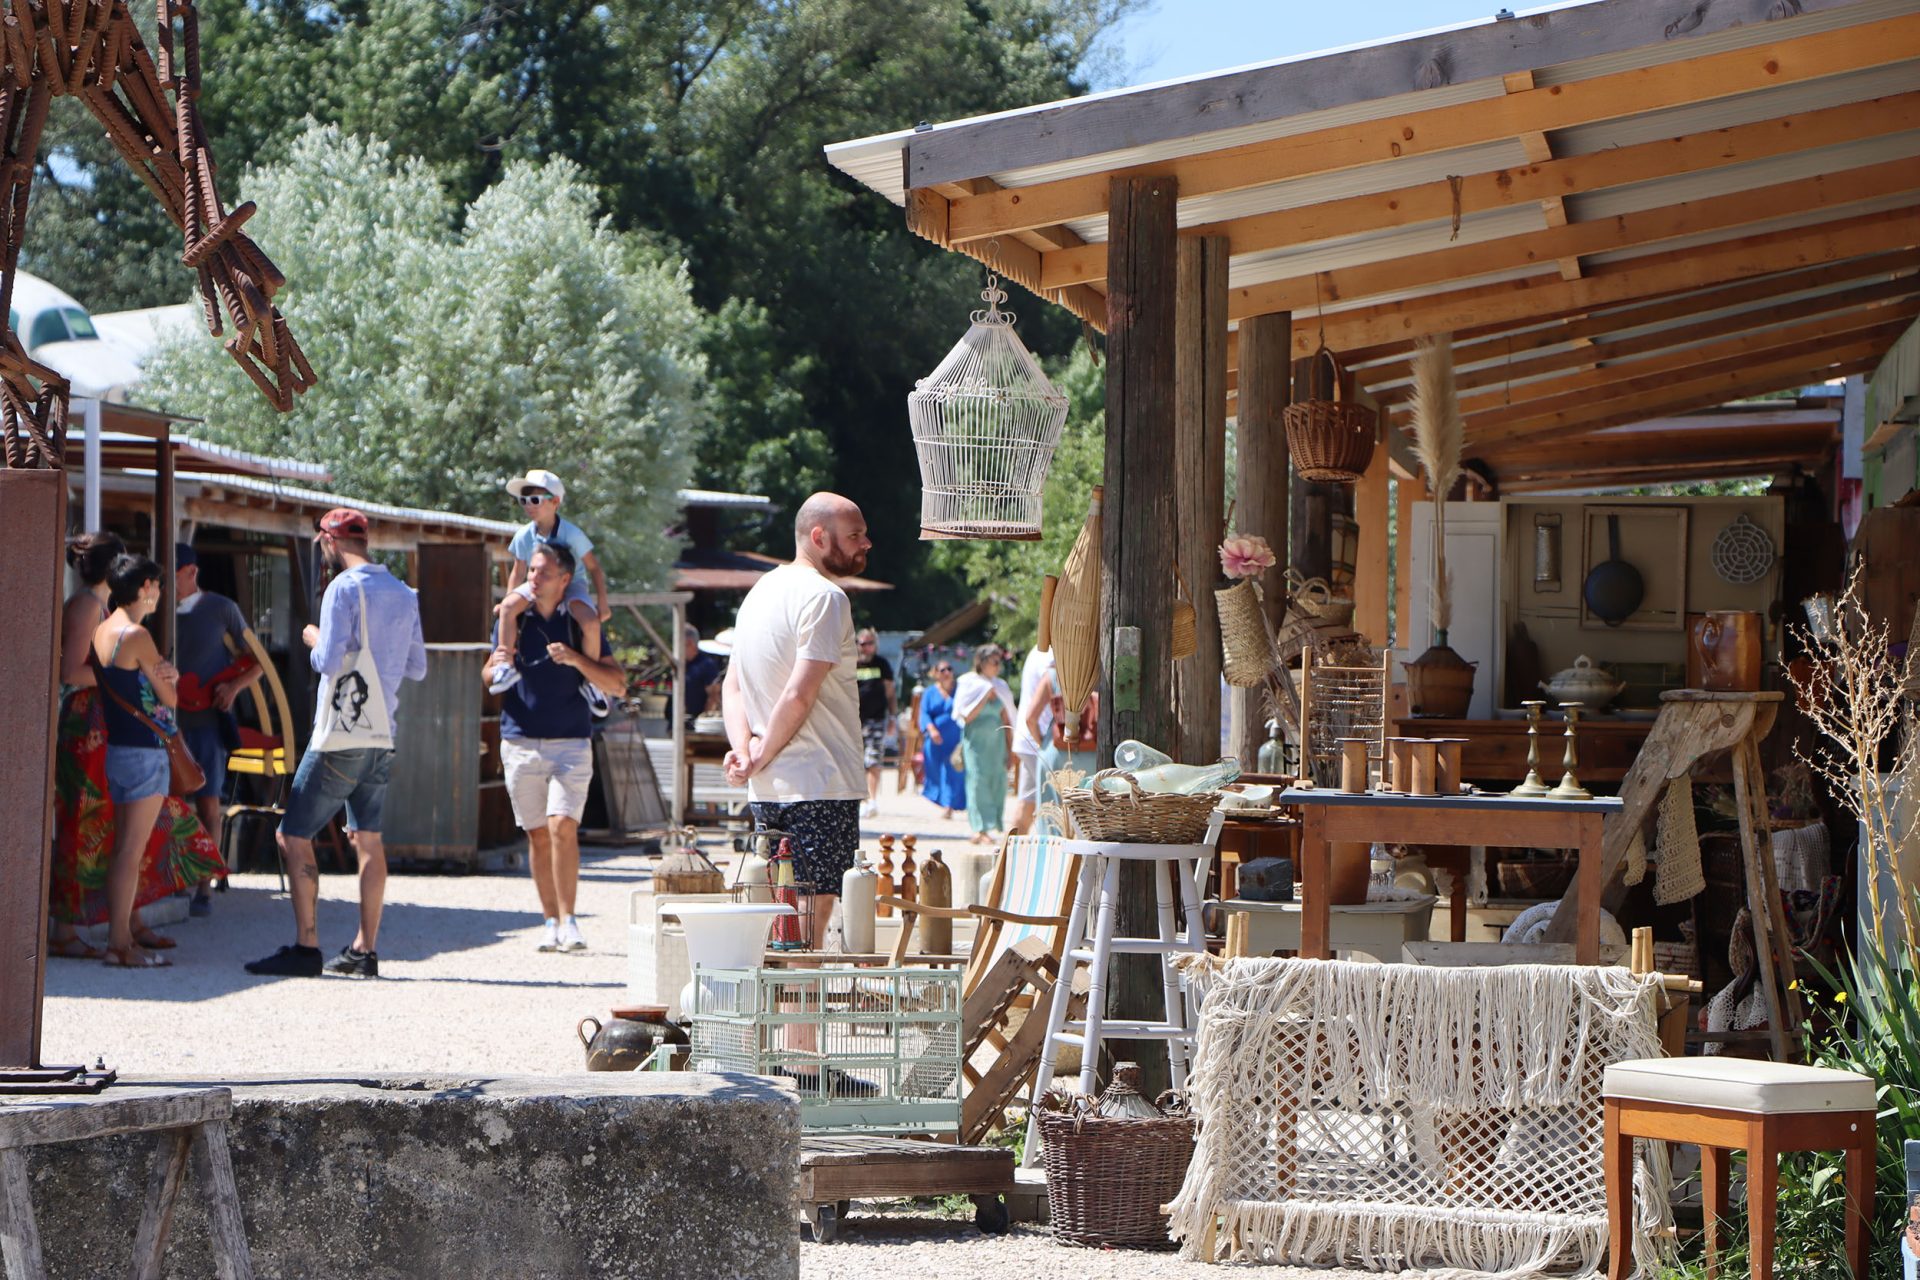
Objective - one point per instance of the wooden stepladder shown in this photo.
(1694, 725)
(191, 1126)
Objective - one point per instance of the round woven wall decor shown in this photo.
(1742, 552)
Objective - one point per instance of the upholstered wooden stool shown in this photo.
(1724, 1104)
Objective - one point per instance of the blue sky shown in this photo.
(1185, 37)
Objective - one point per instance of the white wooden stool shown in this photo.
(1726, 1104)
(1096, 901)
(190, 1124)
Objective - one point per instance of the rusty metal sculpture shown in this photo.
(93, 50)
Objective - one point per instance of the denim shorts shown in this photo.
(137, 773)
(209, 749)
(326, 780)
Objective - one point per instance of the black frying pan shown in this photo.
(1614, 588)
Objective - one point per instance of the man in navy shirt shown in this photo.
(546, 737)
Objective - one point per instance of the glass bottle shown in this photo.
(1134, 755)
(1178, 779)
(1273, 752)
(1123, 1099)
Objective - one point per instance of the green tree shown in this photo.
(457, 347)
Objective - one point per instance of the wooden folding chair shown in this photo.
(1010, 973)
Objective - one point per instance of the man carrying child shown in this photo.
(540, 493)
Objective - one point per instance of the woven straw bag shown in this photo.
(1331, 441)
(1246, 648)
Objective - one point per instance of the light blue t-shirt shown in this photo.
(565, 532)
(393, 628)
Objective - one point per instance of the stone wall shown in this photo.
(403, 1178)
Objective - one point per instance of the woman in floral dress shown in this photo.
(179, 852)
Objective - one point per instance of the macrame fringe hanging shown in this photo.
(1679, 875)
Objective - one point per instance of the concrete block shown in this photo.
(397, 1177)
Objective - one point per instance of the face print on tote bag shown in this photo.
(351, 712)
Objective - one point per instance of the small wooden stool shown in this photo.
(192, 1123)
(1725, 1104)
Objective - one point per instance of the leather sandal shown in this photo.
(135, 958)
(75, 948)
(153, 941)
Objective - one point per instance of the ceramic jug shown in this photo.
(625, 1040)
(1723, 651)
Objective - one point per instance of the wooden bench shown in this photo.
(190, 1124)
(837, 1170)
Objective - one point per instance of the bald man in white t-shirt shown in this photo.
(792, 703)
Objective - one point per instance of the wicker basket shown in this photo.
(1107, 1176)
(1136, 816)
(1184, 640)
(1331, 441)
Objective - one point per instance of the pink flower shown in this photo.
(1246, 556)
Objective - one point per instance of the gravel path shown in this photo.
(462, 989)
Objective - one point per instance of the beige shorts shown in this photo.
(547, 778)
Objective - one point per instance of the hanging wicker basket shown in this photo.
(985, 424)
(1246, 648)
(1331, 441)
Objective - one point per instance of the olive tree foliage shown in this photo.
(459, 346)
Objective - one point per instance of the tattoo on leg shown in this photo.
(311, 871)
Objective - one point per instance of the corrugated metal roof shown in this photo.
(318, 501)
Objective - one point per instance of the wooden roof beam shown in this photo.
(1600, 350)
(1827, 192)
(1545, 182)
(1678, 473)
(1510, 403)
(1496, 342)
(1749, 379)
(1645, 277)
(927, 212)
(1705, 401)
(1789, 60)
(1627, 447)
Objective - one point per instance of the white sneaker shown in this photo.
(868, 809)
(570, 938)
(550, 936)
(597, 703)
(504, 679)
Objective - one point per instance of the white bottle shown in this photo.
(857, 889)
(753, 879)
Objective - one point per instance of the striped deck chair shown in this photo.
(1010, 974)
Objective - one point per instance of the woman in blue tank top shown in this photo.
(133, 674)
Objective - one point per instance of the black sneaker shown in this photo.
(288, 962)
(355, 964)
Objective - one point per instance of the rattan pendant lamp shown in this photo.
(985, 424)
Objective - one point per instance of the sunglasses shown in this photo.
(943, 671)
(534, 499)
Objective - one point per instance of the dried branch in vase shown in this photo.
(1852, 694)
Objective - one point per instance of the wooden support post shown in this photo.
(1313, 505)
(1137, 555)
(1370, 500)
(1200, 454)
(163, 535)
(33, 517)
(1407, 492)
(1261, 486)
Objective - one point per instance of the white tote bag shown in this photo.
(351, 711)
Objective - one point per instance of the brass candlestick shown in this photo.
(1570, 788)
(1534, 785)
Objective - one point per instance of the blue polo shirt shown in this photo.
(546, 702)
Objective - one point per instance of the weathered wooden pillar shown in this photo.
(1261, 487)
(1200, 449)
(1370, 502)
(33, 518)
(164, 524)
(1314, 504)
(1137, 553)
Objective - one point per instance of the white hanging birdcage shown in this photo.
(985, 424)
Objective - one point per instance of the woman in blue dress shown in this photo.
(945, 785)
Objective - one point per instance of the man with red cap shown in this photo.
(367, 642)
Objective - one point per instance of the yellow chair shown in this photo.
(270, 751)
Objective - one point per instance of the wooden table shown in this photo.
(1331, 817)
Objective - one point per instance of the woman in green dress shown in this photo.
(983, 704)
